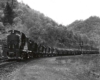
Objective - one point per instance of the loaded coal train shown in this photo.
(18, 46)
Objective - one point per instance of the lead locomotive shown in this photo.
(16, 45)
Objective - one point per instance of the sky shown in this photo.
(66, 11)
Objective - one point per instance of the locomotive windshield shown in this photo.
(13, 41)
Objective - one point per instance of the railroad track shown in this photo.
(5, 63)
(3, 60)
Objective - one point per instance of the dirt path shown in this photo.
(54, 69)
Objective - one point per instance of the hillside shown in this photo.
(89, 27)
(42, 29)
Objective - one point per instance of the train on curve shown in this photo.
(18, 46)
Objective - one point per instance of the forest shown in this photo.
(41, 28)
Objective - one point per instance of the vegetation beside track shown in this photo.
(84, 67)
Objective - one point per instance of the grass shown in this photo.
(84, 67)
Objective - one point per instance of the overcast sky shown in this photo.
(66, 11)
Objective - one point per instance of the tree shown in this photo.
(2, 5)
(8, 15)
(2, 29)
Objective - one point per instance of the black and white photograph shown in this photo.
(49, 40)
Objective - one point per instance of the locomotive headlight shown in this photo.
(24, 50)
(30, 51)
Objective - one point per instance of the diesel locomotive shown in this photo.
(16, 43)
